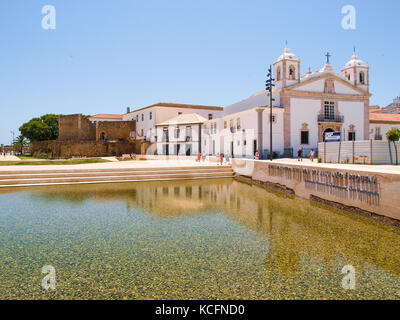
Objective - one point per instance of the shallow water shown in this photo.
(218, 239)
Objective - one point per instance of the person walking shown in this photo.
(222, 158)
(312, 155)
(198, 157)
(257, 155)
(300, 154)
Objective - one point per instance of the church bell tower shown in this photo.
(287, 69)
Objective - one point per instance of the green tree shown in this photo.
(41, 129)
(394, 136)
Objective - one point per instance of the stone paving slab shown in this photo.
(9, 158)
(359, 167)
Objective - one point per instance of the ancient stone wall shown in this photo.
(75, 127)
(115, 130)
(78, 128)
(69, 149)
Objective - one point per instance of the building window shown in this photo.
(188, 133)
(210, 116)
(137, 118)
(238, 123)
(225, 124)
(362, 77)
(231, 123)
(244, 142)
(165, 137)
(292, 73)
(329, 110)
(304, 137)
(177, 132)
(142, 117)
(278, 74)
(151, 115)
(179, 113)
(352, 136)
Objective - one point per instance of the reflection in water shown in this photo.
(190, 239)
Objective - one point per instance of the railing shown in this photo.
(330, 118)
(378, 137)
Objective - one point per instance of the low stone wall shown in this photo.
(69, 149)
(372, 194)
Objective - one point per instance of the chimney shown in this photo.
(128, 110)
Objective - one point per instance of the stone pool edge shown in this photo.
(375, 198)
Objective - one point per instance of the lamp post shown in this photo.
(268, 85)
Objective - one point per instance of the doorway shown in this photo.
(326, 131)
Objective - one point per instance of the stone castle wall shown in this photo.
(69, 149)
(76, 127)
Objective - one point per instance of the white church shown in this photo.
(304, 109)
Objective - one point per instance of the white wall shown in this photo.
(161, 114)
(181, 140)
(304, 111)
(353, 115)
(384, 128)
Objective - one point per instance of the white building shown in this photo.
(180, 135)
(147, 118)
(304, 109)
(381, 123)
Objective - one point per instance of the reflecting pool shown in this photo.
(219, 239)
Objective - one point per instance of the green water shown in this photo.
(217, 239)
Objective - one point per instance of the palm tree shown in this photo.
(394, 136)
(19, 144)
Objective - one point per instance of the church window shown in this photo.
(304, 137)
(278, 73)
(329, 110)
(210, 116)
(292, 72)
(362, 77)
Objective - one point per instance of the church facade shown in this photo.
(305, 108)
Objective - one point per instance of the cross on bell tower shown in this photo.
(328, 55)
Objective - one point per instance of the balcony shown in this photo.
(378, 137)
(330, 118)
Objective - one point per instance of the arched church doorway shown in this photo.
(329, 130)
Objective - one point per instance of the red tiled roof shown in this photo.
(179, 105)
(384, 117)
(107, 116)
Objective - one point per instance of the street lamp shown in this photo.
(268, 85)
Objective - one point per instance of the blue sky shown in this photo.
(106, 55)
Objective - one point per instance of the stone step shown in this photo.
(107, 173)
(102, 179)
(46, 171)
